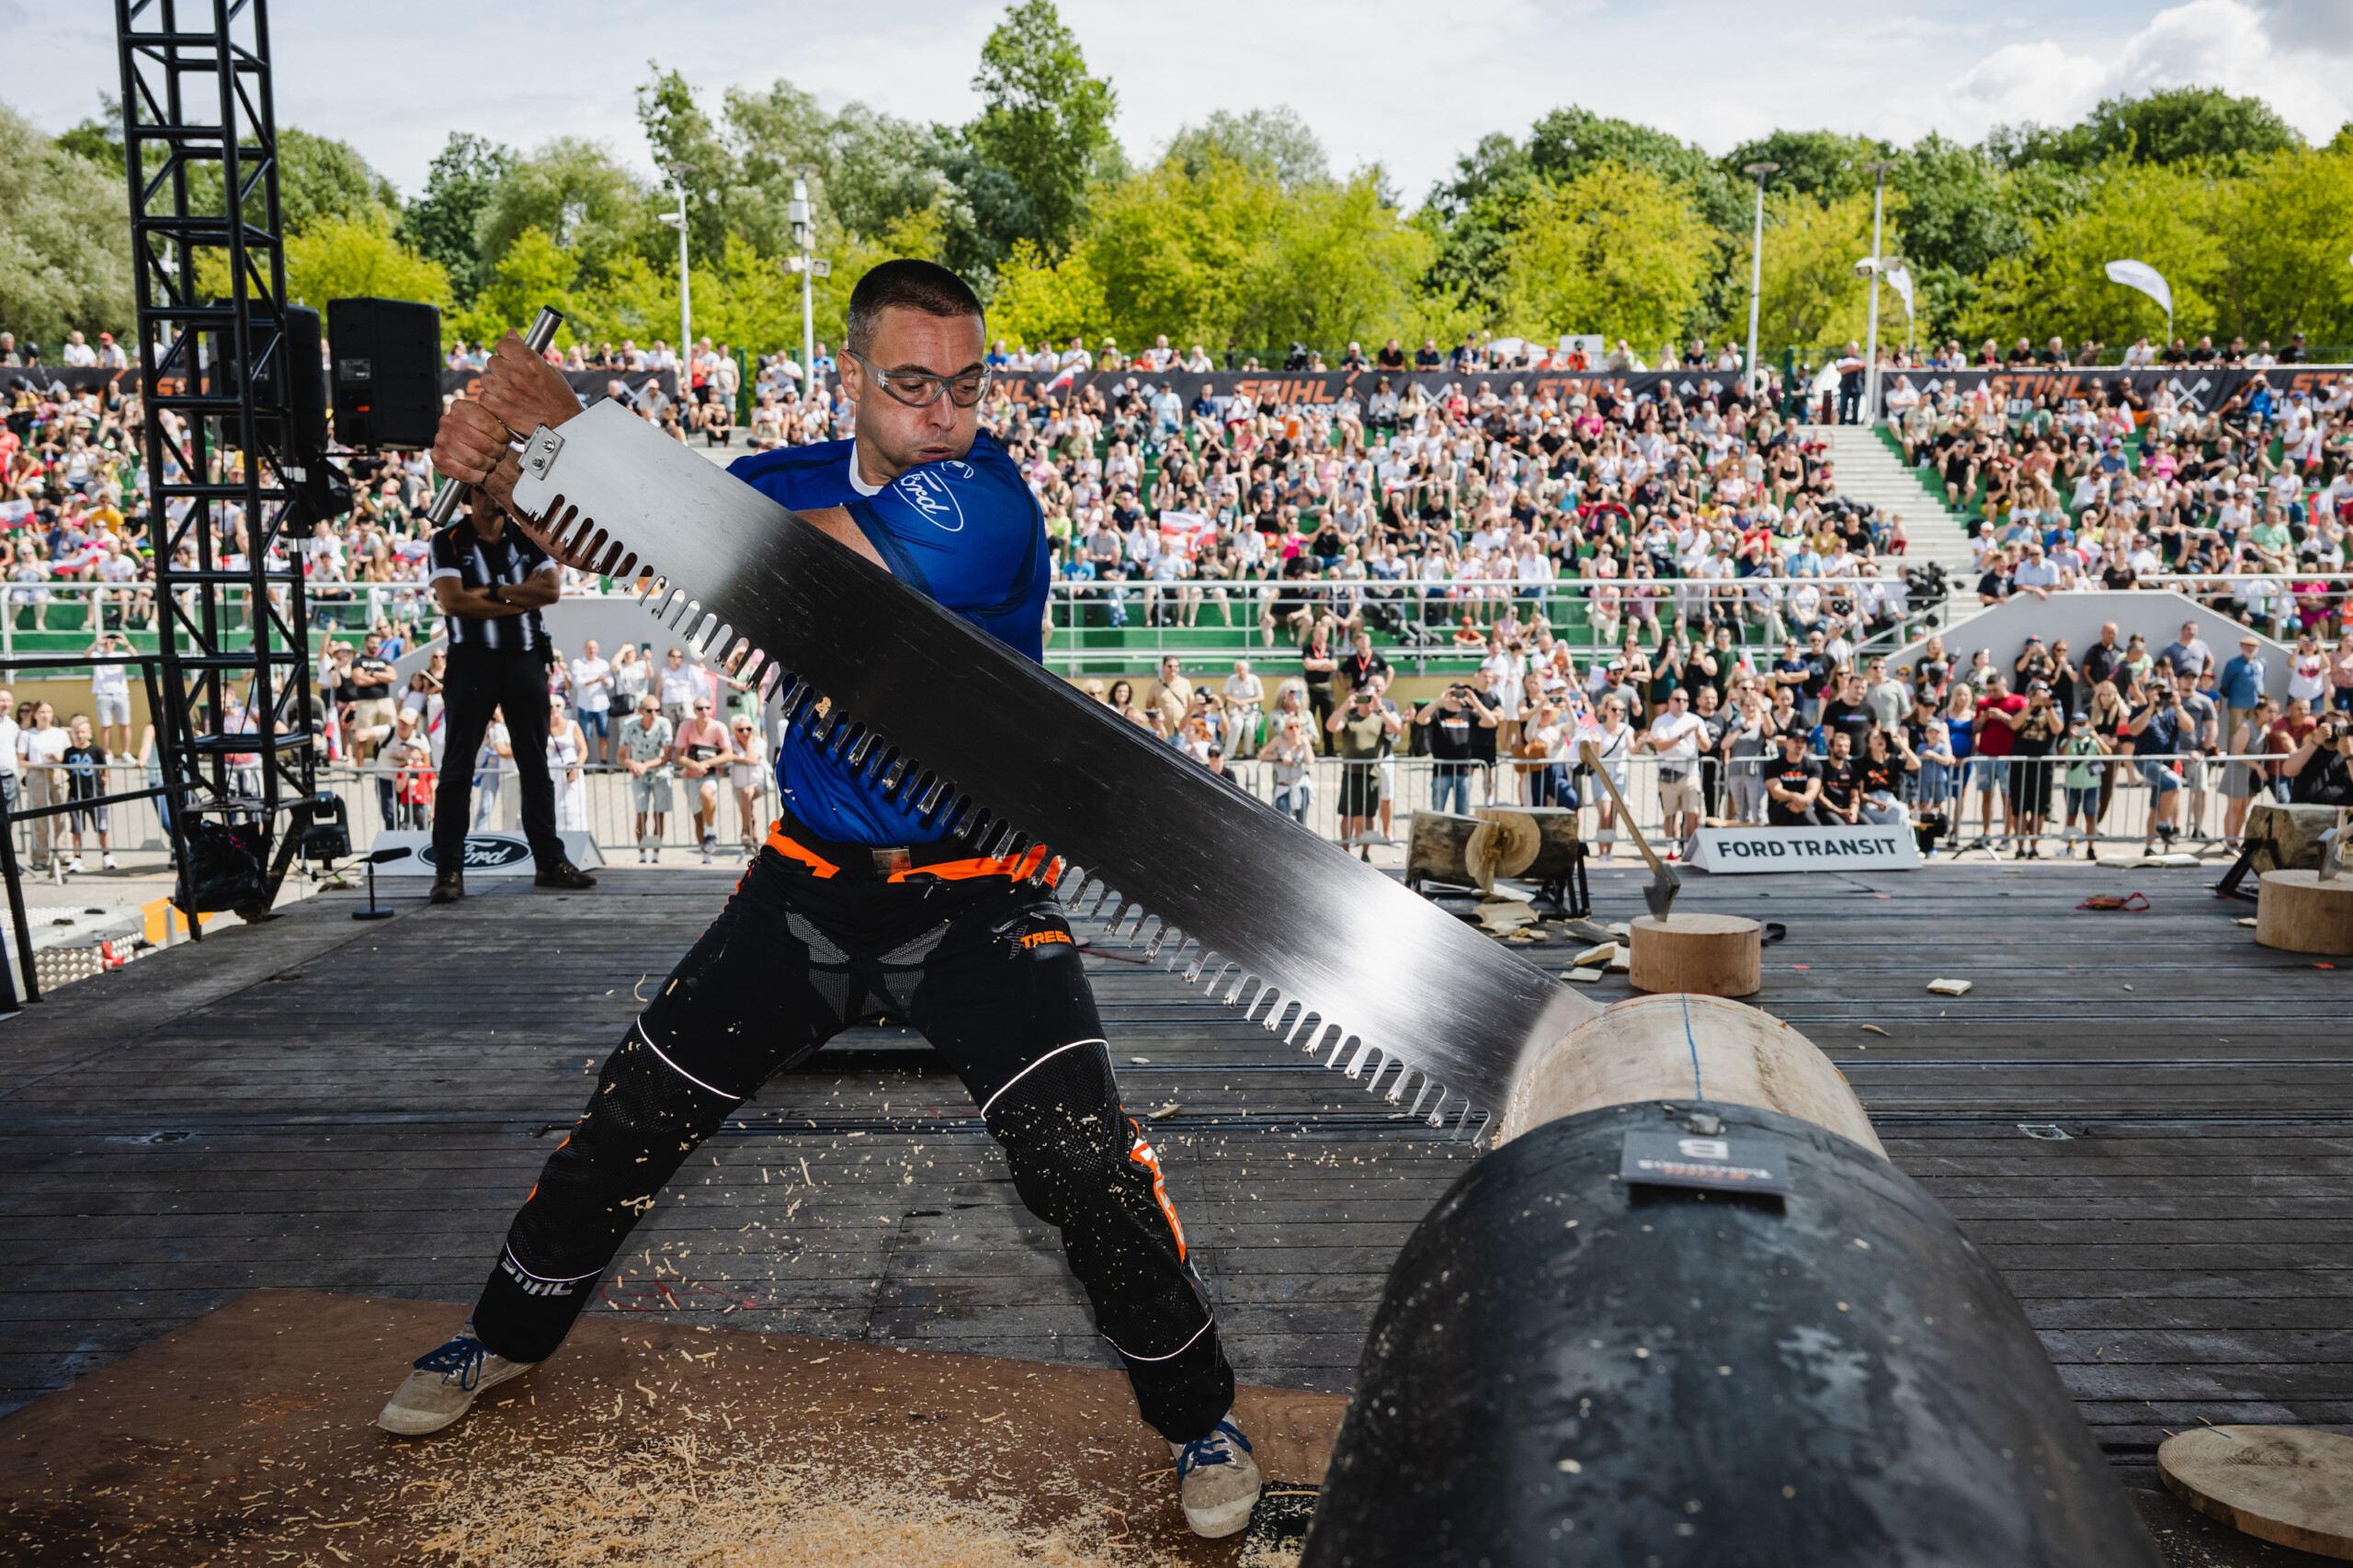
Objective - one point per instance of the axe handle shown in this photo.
(1592, 760)
(543, 333)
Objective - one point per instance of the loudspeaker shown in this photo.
(387, 372)
(309, 395)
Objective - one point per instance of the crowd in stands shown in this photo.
(1592, 551)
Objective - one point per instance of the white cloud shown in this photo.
(2222, 43)
(1402, 83)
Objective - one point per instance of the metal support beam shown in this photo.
(217, 384)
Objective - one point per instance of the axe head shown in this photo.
(1660, 891)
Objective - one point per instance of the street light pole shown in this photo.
(678, 173)
(1756, 265)
(1871, 349)
(803, 234)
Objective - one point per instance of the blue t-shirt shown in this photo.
(965, 532)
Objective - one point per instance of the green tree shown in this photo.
(579, 197)
(1174, 252)
(1618, 250)
(442, 223)
(1339, 266)
(1811, 299)
(64, 240)
(682, 137)
(1275, 140)
(533, 270)
(1044, 119)
(319, 177)
(2284, 231)
(337, 259)
(1037, 301)
(2172, 125)
(2152, 212)
(100, 138)
(1572, 142)
(1820, 163)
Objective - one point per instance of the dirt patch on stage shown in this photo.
(250, 1436)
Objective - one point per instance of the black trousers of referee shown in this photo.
(477, 680)
(986, 968)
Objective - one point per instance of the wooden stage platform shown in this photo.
(2143, 1119)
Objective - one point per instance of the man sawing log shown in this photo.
(856, 906)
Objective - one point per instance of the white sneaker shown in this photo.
(658, 856)
(74, 865)
(641, 854)
(1217, 1480)
(706, 852)
(107, 862)
(445, 1385)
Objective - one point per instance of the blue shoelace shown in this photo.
(461, 1358)
(1204, 1450)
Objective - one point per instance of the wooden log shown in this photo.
(2298, 913)
(2288, 838)
(1685, 1049)
(1716, 955)
(1438, 845)
(2278, 1484)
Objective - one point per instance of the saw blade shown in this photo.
(1323, 949)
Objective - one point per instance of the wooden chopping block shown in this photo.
(1714, 955)
(2292, 831)
(2298, 913)
(2278, 1484)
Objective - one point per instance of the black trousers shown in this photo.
(478, 681)
(984, 967)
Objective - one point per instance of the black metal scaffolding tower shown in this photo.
(218, 368)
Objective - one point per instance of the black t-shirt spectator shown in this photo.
(1854, 718)
(1454, 734)
(371, 679)
(1357, 668)
(1839, 782)
(1994, 585)
(1817, 673)
(1427, 358)
(1392, 358)
(1792, 777)
(2101, 661)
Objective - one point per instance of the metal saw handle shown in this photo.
(543, 333)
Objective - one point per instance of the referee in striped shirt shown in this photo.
(490, 582)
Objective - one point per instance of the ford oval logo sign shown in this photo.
(484, 851)
(927, 491)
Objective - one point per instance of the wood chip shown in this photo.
(1585, 976)
(1951, 987)
(1874, 1028)
(1601, 953)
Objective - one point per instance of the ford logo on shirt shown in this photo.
(927, 491)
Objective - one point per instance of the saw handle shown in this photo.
(1592, 759)
(543, 333)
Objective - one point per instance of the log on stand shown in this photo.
(2301, 913)
(1715, 955)
(1688, 1314)
(1538, 843)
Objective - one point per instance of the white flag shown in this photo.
(1900, 281)
(2142, 276)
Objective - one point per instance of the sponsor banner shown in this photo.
(590, 385)
(2200, 387)
(1864, 847)
(487, 854)
(2204, 388)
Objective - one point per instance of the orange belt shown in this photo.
(895, 863)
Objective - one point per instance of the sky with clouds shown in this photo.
(1402, 83)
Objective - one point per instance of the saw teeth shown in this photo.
(903, 780)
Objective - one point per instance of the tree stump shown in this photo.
(2288, 838)
(2301, 913)
(1714, 955)
(1439, 847)
(2278, 1484)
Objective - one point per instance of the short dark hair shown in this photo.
(908, 284)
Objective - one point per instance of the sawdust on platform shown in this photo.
(673, 1507)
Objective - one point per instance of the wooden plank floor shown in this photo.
(327, 1104)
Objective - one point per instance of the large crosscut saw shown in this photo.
(1323, 949)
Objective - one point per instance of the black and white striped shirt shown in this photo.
(459, 552)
